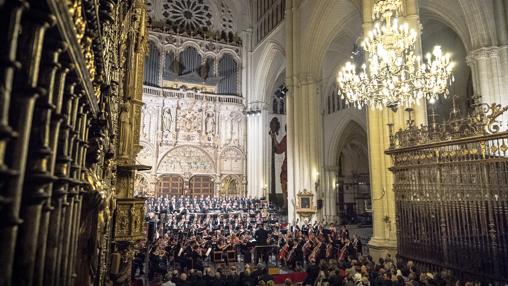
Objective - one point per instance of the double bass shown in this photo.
(343, 253)
(315, 252)
(283, 253)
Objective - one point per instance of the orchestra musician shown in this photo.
(187, 238)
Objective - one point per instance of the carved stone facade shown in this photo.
(186, 134)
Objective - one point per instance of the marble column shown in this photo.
(255, 151)
(413, 19)
(384, 239)
(330, 195)
(290, 111)
(305, 133)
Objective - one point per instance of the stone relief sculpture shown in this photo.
(187, 159)
(195, 126)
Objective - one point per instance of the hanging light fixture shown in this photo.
(393, 74)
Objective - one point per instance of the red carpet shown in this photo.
(294, 276)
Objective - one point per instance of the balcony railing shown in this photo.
(171, 93)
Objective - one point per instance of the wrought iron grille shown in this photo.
(451, 190)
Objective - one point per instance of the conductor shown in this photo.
(261, 237)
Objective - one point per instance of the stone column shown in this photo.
(304, 132)
(255, 151)
(291, 33)
(489, 67)
(384, 238)
(500, 17)
(413, 19)
(246, 36)
(330, 195)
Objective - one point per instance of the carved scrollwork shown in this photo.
(484, 120)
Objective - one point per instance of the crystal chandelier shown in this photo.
(393, 74)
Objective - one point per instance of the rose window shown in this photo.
(187, 15)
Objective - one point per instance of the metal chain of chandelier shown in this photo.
(394, 74)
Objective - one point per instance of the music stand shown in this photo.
(217, 257)
(231, 256)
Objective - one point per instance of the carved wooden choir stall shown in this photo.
(66, 67)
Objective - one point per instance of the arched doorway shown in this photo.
(201, 185)
(353, 182)
(171, 185)
(231, 186)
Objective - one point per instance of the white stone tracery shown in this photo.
(186, 133)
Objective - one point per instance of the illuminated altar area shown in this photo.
(193, 126)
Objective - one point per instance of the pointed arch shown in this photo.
(273, 61)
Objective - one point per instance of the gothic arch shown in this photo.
(351, 120)
(272, 61)
(481, 26)
(187, 159)
(233, 53)
(226, 187)
(156, 41)
(453, 18)
(330, 17)
(236, 149)
(146, 154)
(191, 44)
(232, 163)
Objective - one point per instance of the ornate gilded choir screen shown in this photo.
(451, 189)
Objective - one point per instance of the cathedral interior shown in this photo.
(253, 142)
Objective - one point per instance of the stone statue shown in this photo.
(210, 125)
(166, 119)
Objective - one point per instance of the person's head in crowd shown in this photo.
(357, 277)
(183, 277)
(247, 272)
(423, 278)
(365, 280)
(288, 282)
